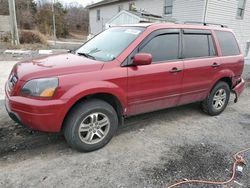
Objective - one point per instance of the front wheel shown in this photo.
(90, 125)
(217, 100)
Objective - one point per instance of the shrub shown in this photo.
(5, 37)
(31, 37)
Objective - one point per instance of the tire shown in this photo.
(87, 122)
(220, 92)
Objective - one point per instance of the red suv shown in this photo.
(122, 72)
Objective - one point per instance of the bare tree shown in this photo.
(44, 19)
(77, 17)
(4, 7)
(26, 12)
(37, 14)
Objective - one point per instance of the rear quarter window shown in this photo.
(228, 43)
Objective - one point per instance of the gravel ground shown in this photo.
(150, 150)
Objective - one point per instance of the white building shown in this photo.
(133, 17)
(233, 13)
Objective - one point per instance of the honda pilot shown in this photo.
(122, 72)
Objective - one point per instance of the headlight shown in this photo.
(43, 87)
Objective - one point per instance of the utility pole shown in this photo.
(13, 22)
(205, 11)
(54, 21)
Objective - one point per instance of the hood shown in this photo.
(55, 65)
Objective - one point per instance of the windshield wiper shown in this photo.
(86, 55)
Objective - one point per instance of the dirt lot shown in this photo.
(151, 150)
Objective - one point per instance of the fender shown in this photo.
(82, 90)
(225, 73)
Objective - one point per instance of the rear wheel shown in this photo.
(217, 100)
(90, 125)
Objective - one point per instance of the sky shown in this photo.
(82, 2)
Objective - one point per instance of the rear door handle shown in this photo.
(214, 65)
(175, 70)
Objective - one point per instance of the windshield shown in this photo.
(109, 44)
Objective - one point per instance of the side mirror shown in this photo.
(142, 59)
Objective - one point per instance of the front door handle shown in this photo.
(214, 65)
(175, 70)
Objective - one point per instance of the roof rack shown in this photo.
(204, 23)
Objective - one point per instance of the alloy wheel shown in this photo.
(94, 128)
(219, 99)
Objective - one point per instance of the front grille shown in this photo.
(12, 82)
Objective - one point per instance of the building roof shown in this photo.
(131, 17)
(145, 14)
(104, 2)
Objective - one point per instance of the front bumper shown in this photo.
(42, 115)
(238, 89)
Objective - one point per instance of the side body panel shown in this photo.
(198, 79)
(153, 87)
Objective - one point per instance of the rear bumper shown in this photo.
(42, 115)
(238, 89)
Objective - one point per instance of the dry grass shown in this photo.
(32, 37)
(5, 37)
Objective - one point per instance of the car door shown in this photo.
(201, 64)
(158, 85)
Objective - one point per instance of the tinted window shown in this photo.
(227, 43)
(163, 47)
(198, 45)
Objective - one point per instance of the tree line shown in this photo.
(37, 15)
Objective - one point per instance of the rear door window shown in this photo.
(198, 45)
(228, 43)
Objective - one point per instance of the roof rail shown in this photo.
(204, 23)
